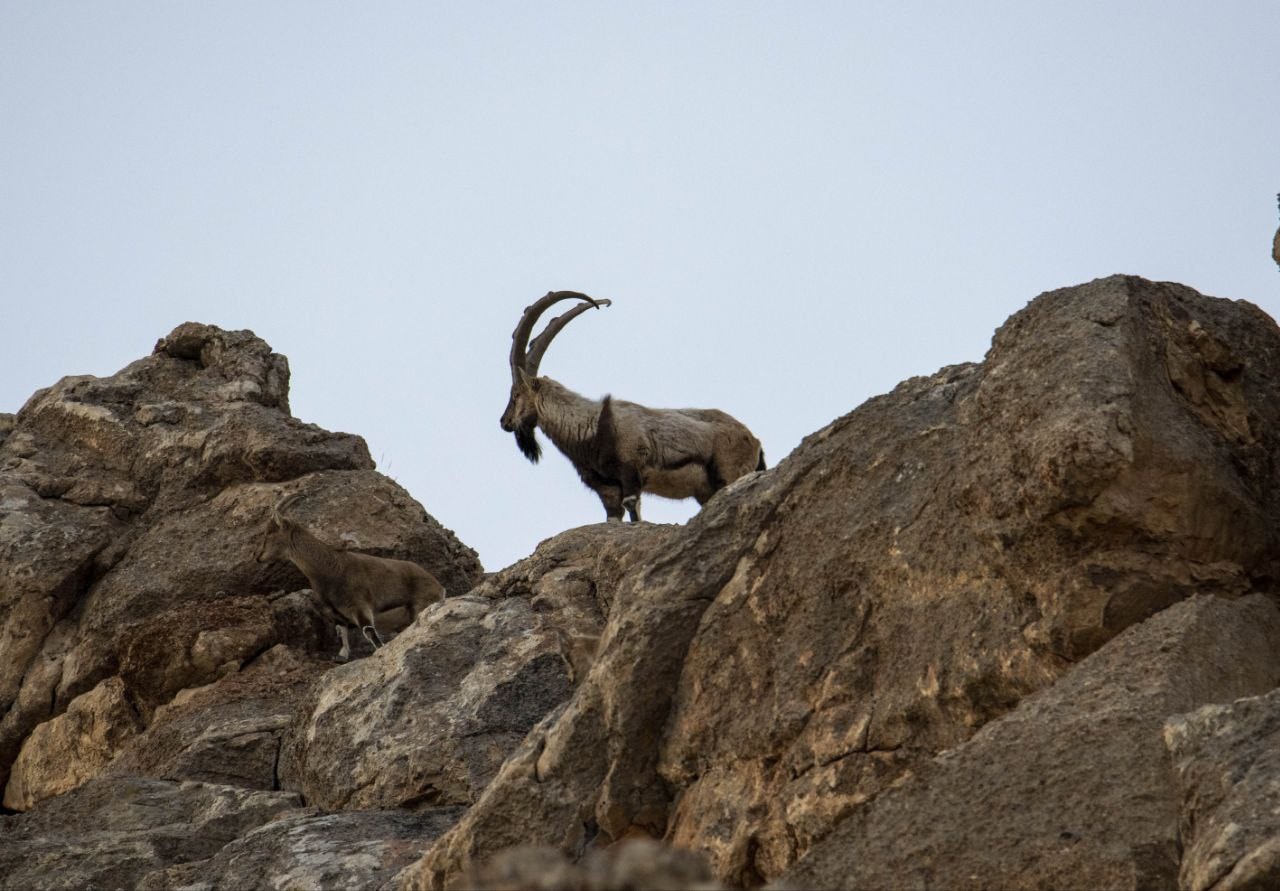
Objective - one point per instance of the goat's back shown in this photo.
(387, 581)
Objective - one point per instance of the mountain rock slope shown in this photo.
(1013, 624)
(912, 572)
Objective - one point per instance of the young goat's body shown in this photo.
(620, 448)
(356, 587)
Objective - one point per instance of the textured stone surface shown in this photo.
(350, 851)
(229, 732)
(131, 509)
(892, 623)
(1072, 788)
(430, 718)
(907, 575)
(1227, 759)
(110, 833)
(73, 747)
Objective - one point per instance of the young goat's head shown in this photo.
(521, 414)
(275, 538)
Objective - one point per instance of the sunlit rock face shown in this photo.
(991, 624)
(908, 575)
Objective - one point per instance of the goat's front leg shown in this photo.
(611, 498)
(610, 493)
(345, 653)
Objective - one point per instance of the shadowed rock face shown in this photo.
(1071, 789)
(909, 574)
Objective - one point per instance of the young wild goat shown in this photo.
(620, 448)
(356, 587)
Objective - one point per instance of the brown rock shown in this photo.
(910, 573)
(111, 833)
(431, 717)
(1227, 760)
(131, 509)
(1071, 789)
(229, 732)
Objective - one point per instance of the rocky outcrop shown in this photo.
(431, 717)
(1227, 760)
(354, 850)
(131, 508)
(112, 833)
(1071, 789)
(909, 574)
(988, 628)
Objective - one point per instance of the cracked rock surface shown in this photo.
(1013, 623)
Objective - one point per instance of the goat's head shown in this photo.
(275, 538)
(521, 415)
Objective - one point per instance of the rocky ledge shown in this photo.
(1011, 625)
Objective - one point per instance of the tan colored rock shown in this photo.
(1072, 788)
(1227, 760)
(131, 509)
(73, 747)
(909, 574)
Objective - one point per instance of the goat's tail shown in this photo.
(760, 465)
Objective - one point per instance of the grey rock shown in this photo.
(1227, 760)
(109, 833)
(353, 851)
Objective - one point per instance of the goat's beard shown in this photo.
(527, 440)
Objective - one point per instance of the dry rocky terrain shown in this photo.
(1012, 625)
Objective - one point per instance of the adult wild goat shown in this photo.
(620, 448)
(356, 587)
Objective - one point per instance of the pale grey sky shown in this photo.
(793, 206)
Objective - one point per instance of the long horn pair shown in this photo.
(277, 513)
(526, 356)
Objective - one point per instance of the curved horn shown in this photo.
(521, 354)
(281, 505)
(540, 343)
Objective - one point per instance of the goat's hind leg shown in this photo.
(631, 487)
(369, 627)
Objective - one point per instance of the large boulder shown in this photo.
(909, 574)
(1071, 789)
(131, 511)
